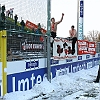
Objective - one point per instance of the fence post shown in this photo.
(45, 47)
(0, 44)
(3, 38)
(48, 40)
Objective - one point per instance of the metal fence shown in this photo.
(98, 47)
(23, 45)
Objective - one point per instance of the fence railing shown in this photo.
(22, 45)
(98, 47)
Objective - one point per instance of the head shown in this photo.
(72, 27)
(53, 20)
(69, 48)
(38, 24)
(58, 46)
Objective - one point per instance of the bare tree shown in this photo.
(86, 38)
(98, 39)
(93, 35)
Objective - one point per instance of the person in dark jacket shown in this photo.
(16, 18)
(98, 76)
(38, 30)
(22, 23)
(3, 8)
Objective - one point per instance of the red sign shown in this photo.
(92, 48)
(82, 47)
(85, 47)
(31, 25)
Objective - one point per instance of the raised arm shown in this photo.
(60, 19)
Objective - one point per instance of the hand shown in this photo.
(62, 14)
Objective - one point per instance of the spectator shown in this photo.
(38, 30)
(3, 8)
(16, 18)
(3, 13)
(11, 13)
(73, 37)
(54, 28)
(33, 30)
(3, 16)
(0, 8)
(22, 23)
(7, 13)
(98, 76)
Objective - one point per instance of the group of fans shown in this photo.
(73, 38)
(9, 13)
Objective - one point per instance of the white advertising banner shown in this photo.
(62, 49)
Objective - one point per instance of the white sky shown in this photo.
(69, 7)
(35, 11)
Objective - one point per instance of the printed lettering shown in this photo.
(22, 83)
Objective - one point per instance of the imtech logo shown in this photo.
(69, 60)
(87, 56)
(52, 61)
(79, 57)
(32, 64)
(25, 80)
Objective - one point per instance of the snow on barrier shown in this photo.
(23, 75)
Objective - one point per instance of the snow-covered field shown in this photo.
(75, 86)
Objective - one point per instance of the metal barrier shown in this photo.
(22, 45)
(98, 47)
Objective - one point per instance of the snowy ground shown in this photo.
(75, 86)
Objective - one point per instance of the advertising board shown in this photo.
(27, 79)
(62, 49)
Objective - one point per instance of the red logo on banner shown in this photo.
(31, 25)
(85, 47)
(82, 47)
(92, 48)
